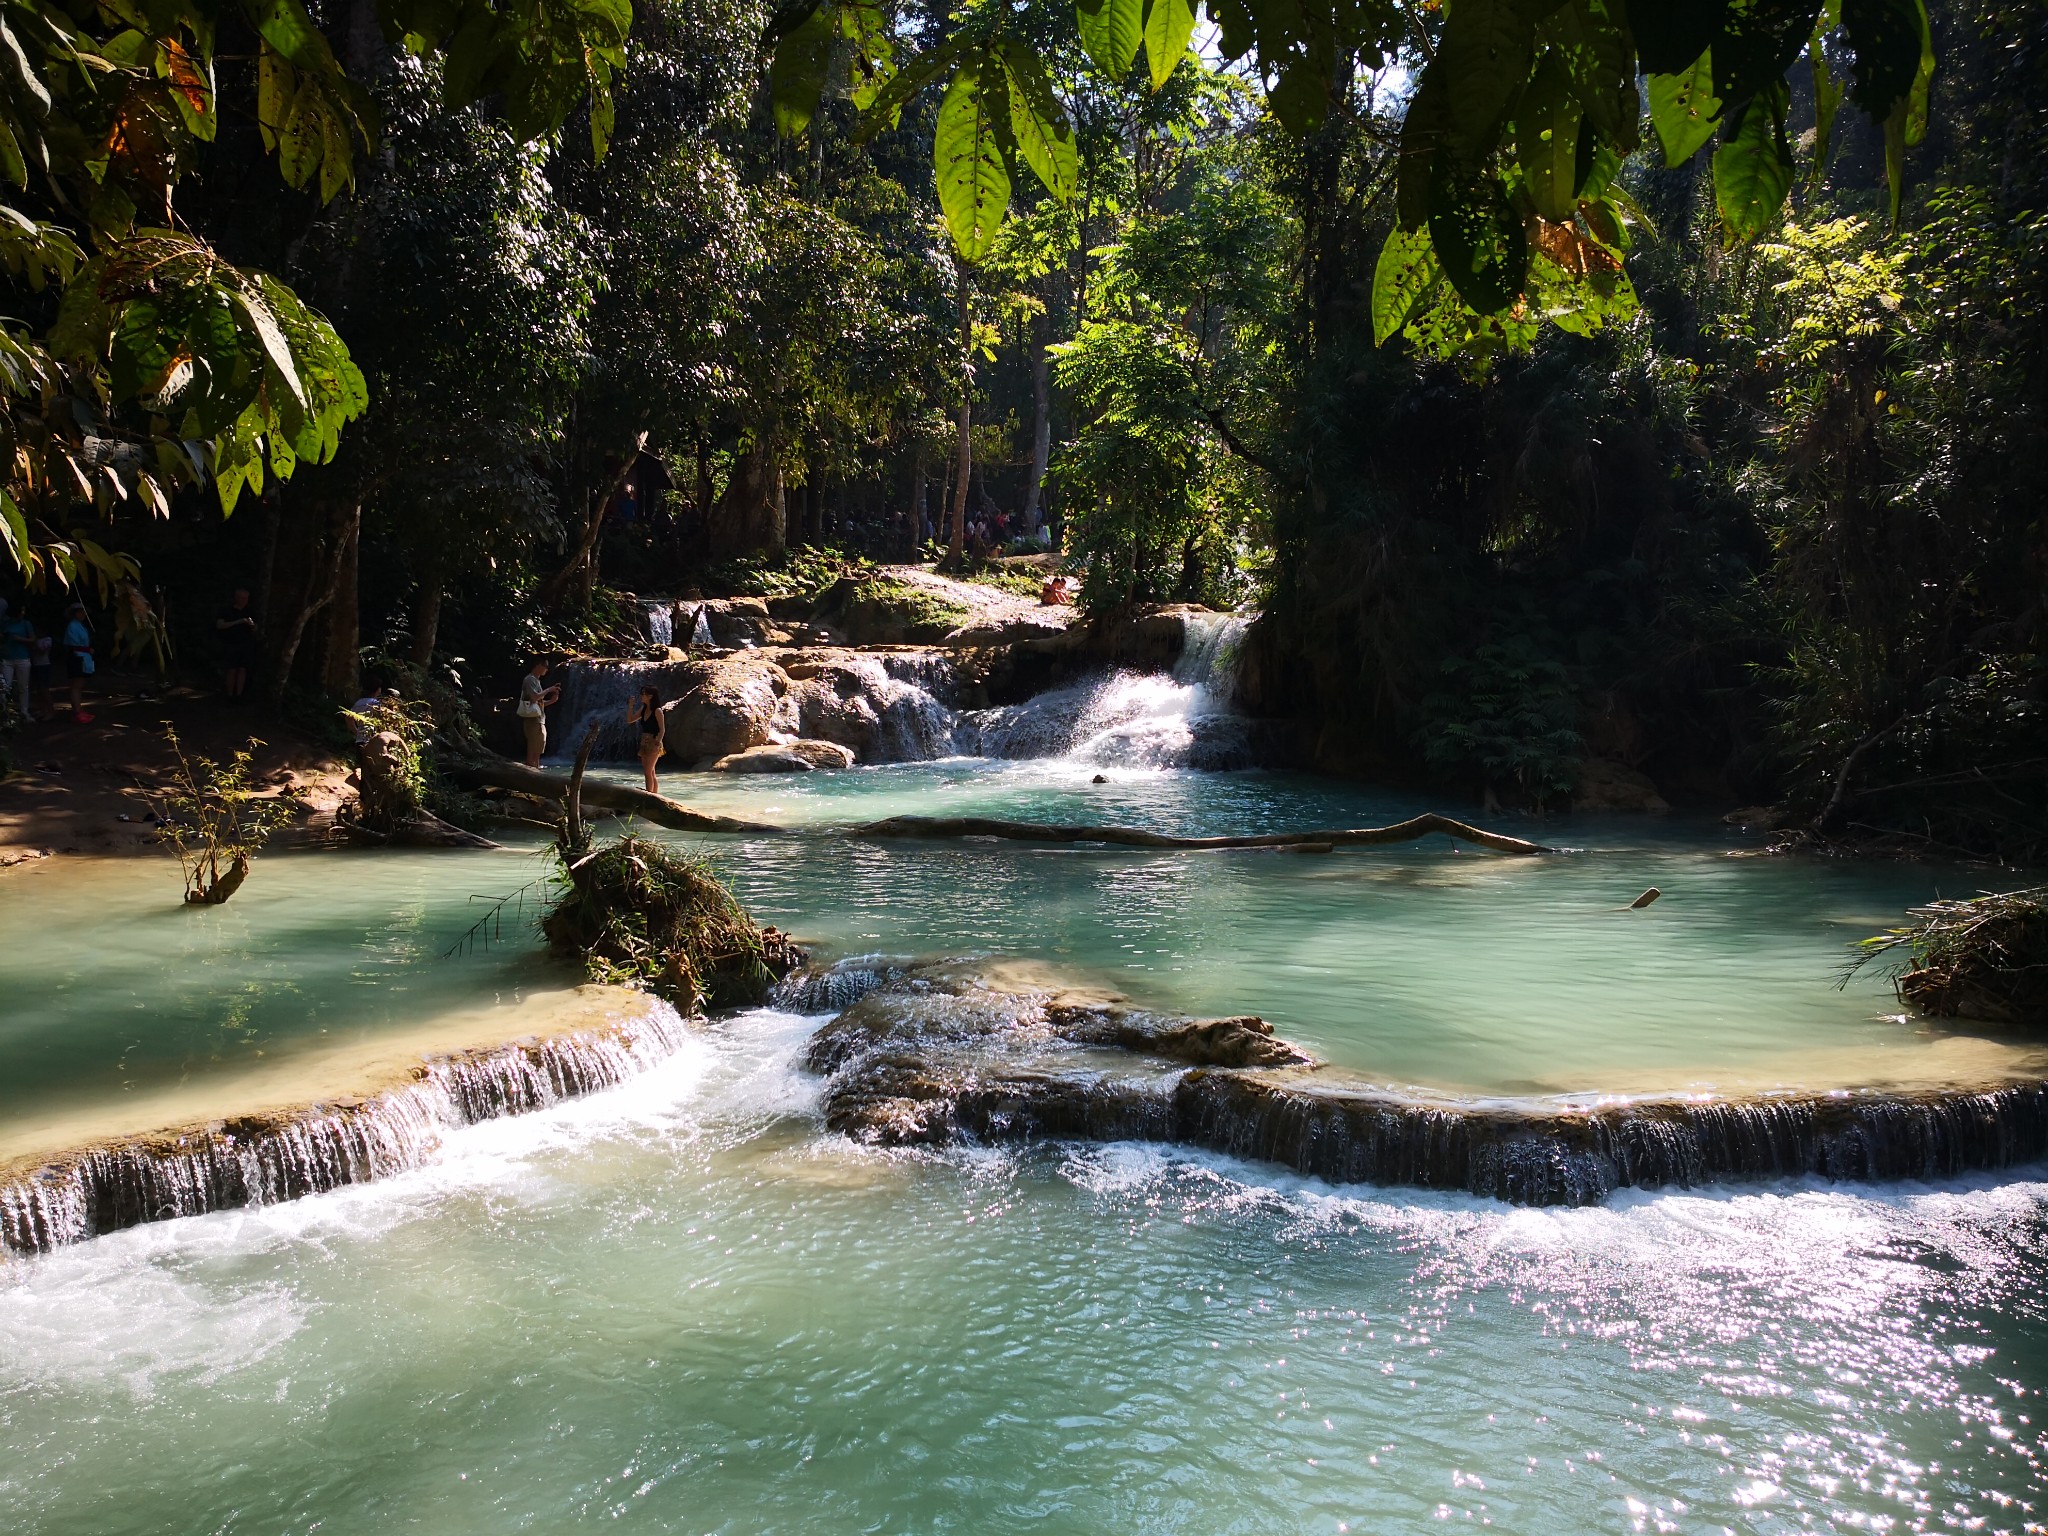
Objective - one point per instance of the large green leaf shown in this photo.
(1168, 26)
(1919, 99)
(796, 75)
(1753, 166)
(1484, 61)
(1594, 49)
(1038, 122)
(887, 106)
(1407, 272)
(974, 185)
(1670, 34)
(1547, 138)
(1828, 89)
(1110, 33)
(1884, 36)
(1684, 109)
(1479, 239)
(1759, 41)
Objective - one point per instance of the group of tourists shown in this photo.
(32, 663)
(645, 712)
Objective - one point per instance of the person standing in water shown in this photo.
(534, 698)
(235, 625)
(645, 711)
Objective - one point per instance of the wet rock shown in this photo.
(1611, 786)
(786, 757)
(727, 705)
(935, 1054)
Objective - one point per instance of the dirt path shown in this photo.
(85, 788)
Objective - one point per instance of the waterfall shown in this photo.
(263, 1159)
(1527, 1154)
(598, 693)
(660, 617)
(834, 988)
(1181, 719)
(1209, 655)
(900, 706)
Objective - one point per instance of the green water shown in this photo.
(682, 1307)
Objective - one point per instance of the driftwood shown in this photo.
(1133, 837)
(673, 813)
(605, 796)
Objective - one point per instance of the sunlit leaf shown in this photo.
(1684, 109)
(1168, 26)
(974, 185)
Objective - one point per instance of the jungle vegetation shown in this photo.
(1561, 382)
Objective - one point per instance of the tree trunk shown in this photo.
(581, 566)
(1041, 429)
(917, 507)
(956, 535)
(601, 793)
(426, 618)
(750, 517)
(321, 575)
(341, 671)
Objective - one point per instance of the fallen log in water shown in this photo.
(658, 809)
(1135, 837)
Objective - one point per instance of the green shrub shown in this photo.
(639, 913)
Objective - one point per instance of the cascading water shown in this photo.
(598, 693)
(1133, 719)
(904, 704)
(930, 1054)
(260, 1160)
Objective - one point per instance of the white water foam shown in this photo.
(149, 1303)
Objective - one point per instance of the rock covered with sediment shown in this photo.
(940, 1054)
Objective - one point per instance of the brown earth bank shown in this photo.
(86, 788)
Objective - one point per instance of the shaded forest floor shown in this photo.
(86, 788)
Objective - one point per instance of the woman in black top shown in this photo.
(646, 713)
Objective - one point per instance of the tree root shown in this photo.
(658, 809)
(1133, 837)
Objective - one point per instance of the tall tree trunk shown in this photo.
(581, 566)
(341, 671)
(1041, 427)
(956, 537)
(426, 616)
(321, 575)
(751, 518)
(917, 506)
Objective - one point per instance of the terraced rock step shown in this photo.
(938, 1054)
(310, 1148)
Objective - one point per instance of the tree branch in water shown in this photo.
(1134, 837)
(607, 796)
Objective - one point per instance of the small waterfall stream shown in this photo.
(263, 1159)
(1181, 719)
